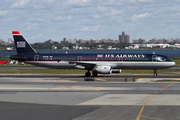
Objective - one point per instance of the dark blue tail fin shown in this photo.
(22, 46)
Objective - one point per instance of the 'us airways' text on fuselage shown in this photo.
(124, 56)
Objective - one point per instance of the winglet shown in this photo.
(16, 33)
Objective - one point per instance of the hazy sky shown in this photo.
(40, 20)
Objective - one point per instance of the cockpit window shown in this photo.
(161, 59)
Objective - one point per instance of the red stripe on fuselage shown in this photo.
(98, 61)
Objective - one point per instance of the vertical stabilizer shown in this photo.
(22, 46)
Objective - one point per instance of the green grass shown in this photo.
(167, 81)
(43, 71)
(176, 60)
(77, 71)
(160, 71)
(6, 59)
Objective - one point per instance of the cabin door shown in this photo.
(36, 58)
(79, 58)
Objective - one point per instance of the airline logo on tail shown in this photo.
(20, 44)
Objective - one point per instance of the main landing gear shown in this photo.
(95, 74)
(88, 74)
(155, 73)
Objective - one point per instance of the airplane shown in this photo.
(98, 63)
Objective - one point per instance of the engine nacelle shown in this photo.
(104, 69)
(116, 70)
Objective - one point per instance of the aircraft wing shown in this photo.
(83, 65)
(90, 66)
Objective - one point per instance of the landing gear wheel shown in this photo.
(88, 74)
(155, 73)
(95, 74)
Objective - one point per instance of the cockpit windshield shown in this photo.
(160, 58)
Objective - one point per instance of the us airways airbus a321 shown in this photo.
(95, 62)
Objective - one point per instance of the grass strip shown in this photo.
(77, 71)
(43, 71)
(167, 81)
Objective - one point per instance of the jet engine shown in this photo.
(104, 69)
(116, 70)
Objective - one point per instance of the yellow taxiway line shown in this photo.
(151, 96)
(139, 79)
(99, 89)
(100, 79)
(175, 78)
(166, 87)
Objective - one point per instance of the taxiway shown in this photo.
(70, 98)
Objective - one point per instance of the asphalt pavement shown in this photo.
(54, 97)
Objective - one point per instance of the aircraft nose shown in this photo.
(173, 64)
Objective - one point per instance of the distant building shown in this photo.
(141, 41)
(65, 48)
(151, 45)
(177, 40)
(92, 41)
(152, 41)
(102, 41)
(177, 45)
(64, 40)
(54, 47)
(109, 40)
(2, 42)
(159, 41)
(116, 41)
(124, 38)
(10, 41)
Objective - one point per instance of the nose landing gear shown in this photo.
(155, 73)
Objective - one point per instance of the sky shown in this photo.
(40, 20)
